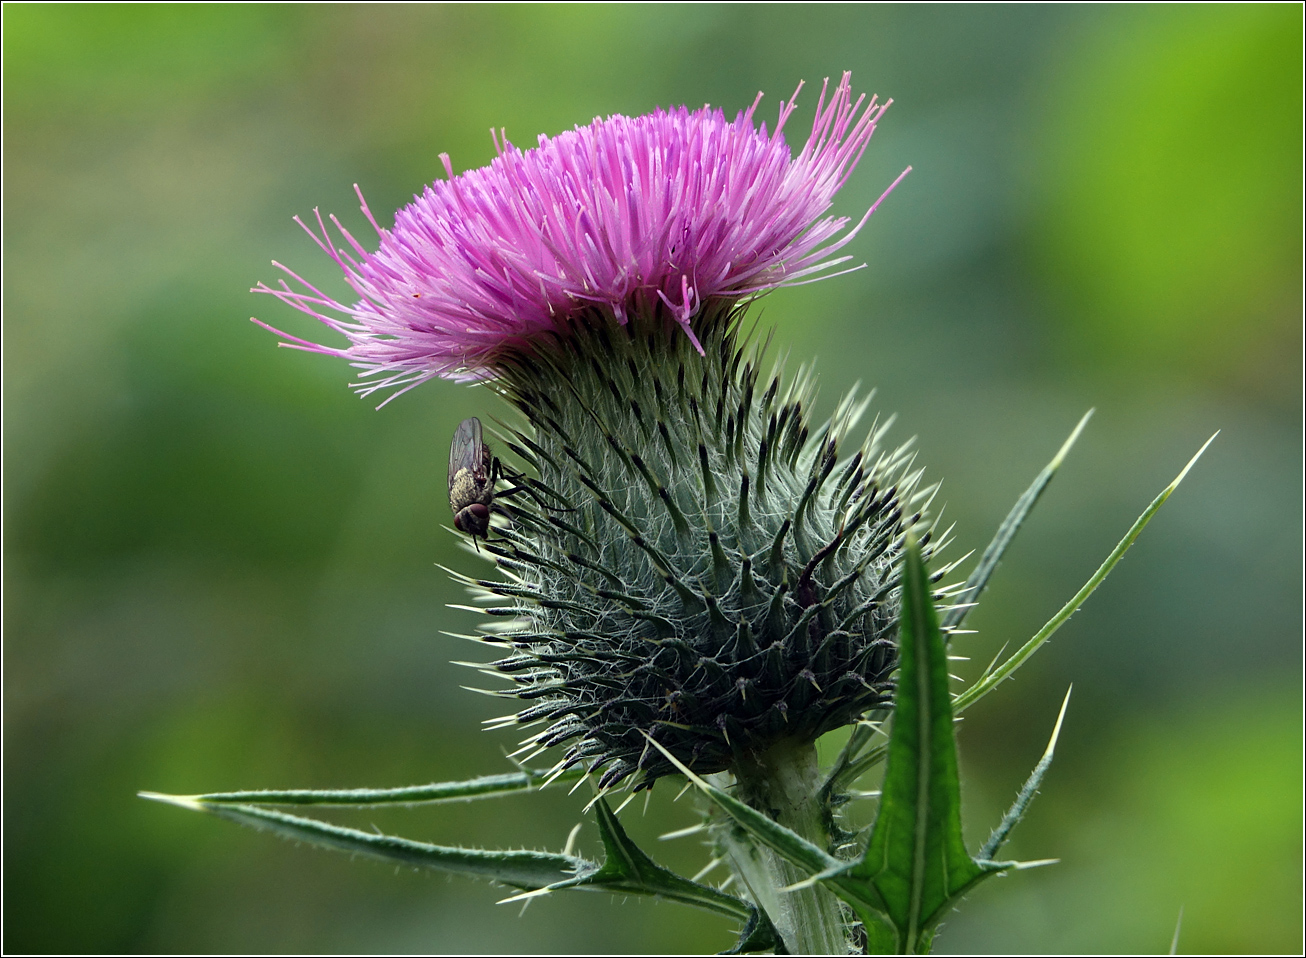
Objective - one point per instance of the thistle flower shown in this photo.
(670, 213)
(686, 560)
(691, 579)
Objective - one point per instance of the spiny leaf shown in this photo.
(486, 786)
(916, 858)
(965, 600)
(519, 868)
(981, 688)
(837, 777)
(628, 870)
(1017, 810)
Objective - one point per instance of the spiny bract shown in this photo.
(689, 560)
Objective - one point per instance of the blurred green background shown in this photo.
(219, 565)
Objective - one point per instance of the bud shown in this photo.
(688, 558)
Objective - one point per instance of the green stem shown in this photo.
(784, 783)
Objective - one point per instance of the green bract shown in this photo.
(688, 560)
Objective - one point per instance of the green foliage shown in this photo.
(990, 680)
(1027, 792)
(626, 869)
(519, 869)
(486, 786)
(916, 859)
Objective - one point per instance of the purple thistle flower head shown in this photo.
(652, 216)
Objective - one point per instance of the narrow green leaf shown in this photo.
(1017, 810)
(487, 786)
(982, 688)
(916, 858)
(627, 869)
(850, 763)
(872, 757)
(861, 734)
(519, 869)
(965, 600)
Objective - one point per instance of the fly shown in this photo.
(473, 473)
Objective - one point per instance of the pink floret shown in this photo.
(656, 214)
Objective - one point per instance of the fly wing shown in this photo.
(467, 449)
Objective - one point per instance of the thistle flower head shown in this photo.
(684, 557)
(657, 215)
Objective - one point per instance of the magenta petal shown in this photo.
(667, 211)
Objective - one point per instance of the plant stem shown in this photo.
(784, 783)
